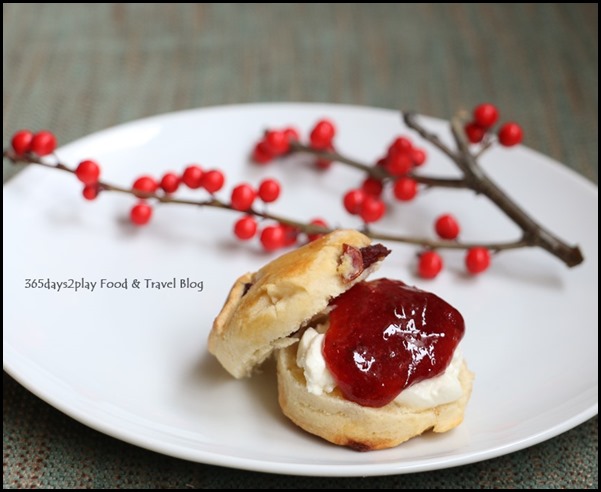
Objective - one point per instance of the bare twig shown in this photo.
(307, 228)
(474, 178)
(377, 172)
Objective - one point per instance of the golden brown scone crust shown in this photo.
(362, 428)
(264, 308)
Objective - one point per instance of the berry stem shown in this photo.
(167, 199)
(306, 228)
(474, 178)
(410, 121)
(377, 172)
(534, 233)
(487, 144)
(441, 244)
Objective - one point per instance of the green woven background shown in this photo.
(79, 68)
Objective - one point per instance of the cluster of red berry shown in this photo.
(41, 143)
(272, 236)
(88, 172)
(430, 264)
(276, 143)
(485, 116)
(401, 159)
(242, 197)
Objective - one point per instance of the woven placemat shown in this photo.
(80, 68)
(44, 448)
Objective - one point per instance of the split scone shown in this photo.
(362, 364)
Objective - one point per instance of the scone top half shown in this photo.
(265, 309)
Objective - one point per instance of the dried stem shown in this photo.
(486, 144)
(534, 234)
(303, 227)
(378, 172)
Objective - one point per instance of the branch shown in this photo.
(474, 178)
(307, 228)
(377, 172)
(410, 121)
(534, 233)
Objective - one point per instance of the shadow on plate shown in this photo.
(207, 384)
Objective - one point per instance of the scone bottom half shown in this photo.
(345, 423)
(264, 310)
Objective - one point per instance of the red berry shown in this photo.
(145, 184)
(323, 164)
(43, 143)
(290, 234)
(21, 141)
(372, 209)
(88, 172)
(269, 190)
(213, 180)
(317, 222)
(245, 227)
(90, 191)
(272, 238)
(381, 162)
(447, 227)
(486, 115)
(418, 156)
(477, 260)
(510, 134)
(141, 213)
(243, 197)
(398, 163)
(292, 134)
(474, 132)
(429, 265)
(372, 186)
(405, 189)
(192, 176)
(322, 134)
(276, 142)
(401, 144)
(170, 182)
(261, 154)
(353, 201)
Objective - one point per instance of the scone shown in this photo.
(361, 364)
(263, 309)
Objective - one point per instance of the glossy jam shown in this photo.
(385, 336)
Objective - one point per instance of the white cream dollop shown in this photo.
(309, 357)
(432, 392)
(435, 391)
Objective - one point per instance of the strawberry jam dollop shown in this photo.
(385, 336)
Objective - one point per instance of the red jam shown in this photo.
(385, 336)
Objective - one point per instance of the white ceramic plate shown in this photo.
(134, 363)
